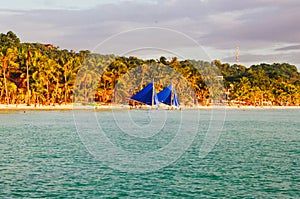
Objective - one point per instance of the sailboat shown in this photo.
(166, 97)
(147, 96)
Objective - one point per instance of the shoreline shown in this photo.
(24, 107)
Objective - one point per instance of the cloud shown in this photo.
(217, 24)
(287, 48)
(255, 22)
(250, 59)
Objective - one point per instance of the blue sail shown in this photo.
(165, 95)
(175, 100)
(147, 95)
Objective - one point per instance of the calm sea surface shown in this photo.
(44, 154)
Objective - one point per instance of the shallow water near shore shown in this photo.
(255, 156)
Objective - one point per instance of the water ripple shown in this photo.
(257, 156)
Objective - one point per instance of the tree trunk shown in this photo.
(5, 84)
(56, 90)
(65, 87)
(27, 77)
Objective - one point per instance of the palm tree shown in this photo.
(7, 56)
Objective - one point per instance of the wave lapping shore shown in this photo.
(119, 106)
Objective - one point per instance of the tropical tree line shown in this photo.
(263, 84)
(35, 73)
(126, 76)
(42, 74)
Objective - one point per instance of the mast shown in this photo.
(153, 92)
(172, 97)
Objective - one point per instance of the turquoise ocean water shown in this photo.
(257, 155)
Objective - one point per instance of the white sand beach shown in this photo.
(120, 107)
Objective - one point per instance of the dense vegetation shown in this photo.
(263, 84)
(34, 73)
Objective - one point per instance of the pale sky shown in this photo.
(265, 30)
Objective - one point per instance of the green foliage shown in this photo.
(263, 84)
(51, 72)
